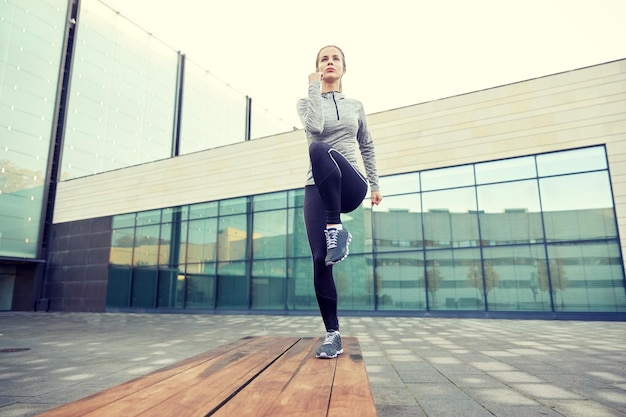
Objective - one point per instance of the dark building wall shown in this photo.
(77, 274)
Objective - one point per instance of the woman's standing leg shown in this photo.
(325, 290)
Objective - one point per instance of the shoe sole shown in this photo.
(329, 263)
(325, 356)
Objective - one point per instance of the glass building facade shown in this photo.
(535, 233)
(84, 91)
(31, 45)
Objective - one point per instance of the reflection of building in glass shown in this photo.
(129, 180)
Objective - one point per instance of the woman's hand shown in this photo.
(377, 197)
(315, 76)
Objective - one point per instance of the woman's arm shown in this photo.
(310, 109)
(366, 146)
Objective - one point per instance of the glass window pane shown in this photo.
(121, 101)
(438, 179)
(31, 39)
(202, 241)
(171, 288)
(506, 170)
(169, 247)
(577, 160)
(511, 277)
(232, 285)
(450, 282)
(203, 210)
(297, 242)
(578, 207)
(119, 287)
(268, 284)
(122, 243)
(145, 218)
(269, 201)
(233, 206)
(354, 279)
(510, 213)
(232, 240)
(586, 277)
(398, 281)
(398, 224)
(295, 198)
(269, 238)
(301, 293)
(144, 288)
(201, 286)
(400, 184)
(359, 223)
(450, 218)
(124, 220)
(265, 123)
(213, 113)
(146, 246)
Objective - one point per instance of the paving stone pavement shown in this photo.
(417, 366)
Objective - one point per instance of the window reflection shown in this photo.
(208, 256)
(213, 113)
(450, 218)
(447, 177)
(398, 281)
(398, 224)
(578, 207)
(30, 35)
(268, 284)
(232, 238)
(510, 213)
(577, 160)
(453, 280)
(202, 241)
(513, 276)
(120, 106)
(400, 184)
(585, 277)
(506, 170)
(269, 236)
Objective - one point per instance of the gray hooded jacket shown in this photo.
(340, 122)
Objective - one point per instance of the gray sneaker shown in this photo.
(331, 347)
(337, 242)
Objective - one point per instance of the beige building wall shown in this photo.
(573, 109)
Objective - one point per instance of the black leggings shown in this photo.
(339, 188)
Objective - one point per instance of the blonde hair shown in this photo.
(343, 59)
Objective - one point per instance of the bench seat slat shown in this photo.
(352, 395)
(92, 402)
(259, 396)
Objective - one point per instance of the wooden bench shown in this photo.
(254, 376)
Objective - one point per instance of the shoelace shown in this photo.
(330, 339)
(331, 238)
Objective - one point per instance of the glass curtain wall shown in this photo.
(123, 101)
(31, 39)
(529, 234)
(122, 95)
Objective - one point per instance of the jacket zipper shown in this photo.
(336, 108)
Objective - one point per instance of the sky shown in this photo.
(398, 52)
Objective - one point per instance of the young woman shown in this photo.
(334, 125)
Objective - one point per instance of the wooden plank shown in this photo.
(80, 407)
(308, 392)
(197, 391)
(351, 395)
(220, 367)
(257, 398)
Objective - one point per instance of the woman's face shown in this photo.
(330, 63)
